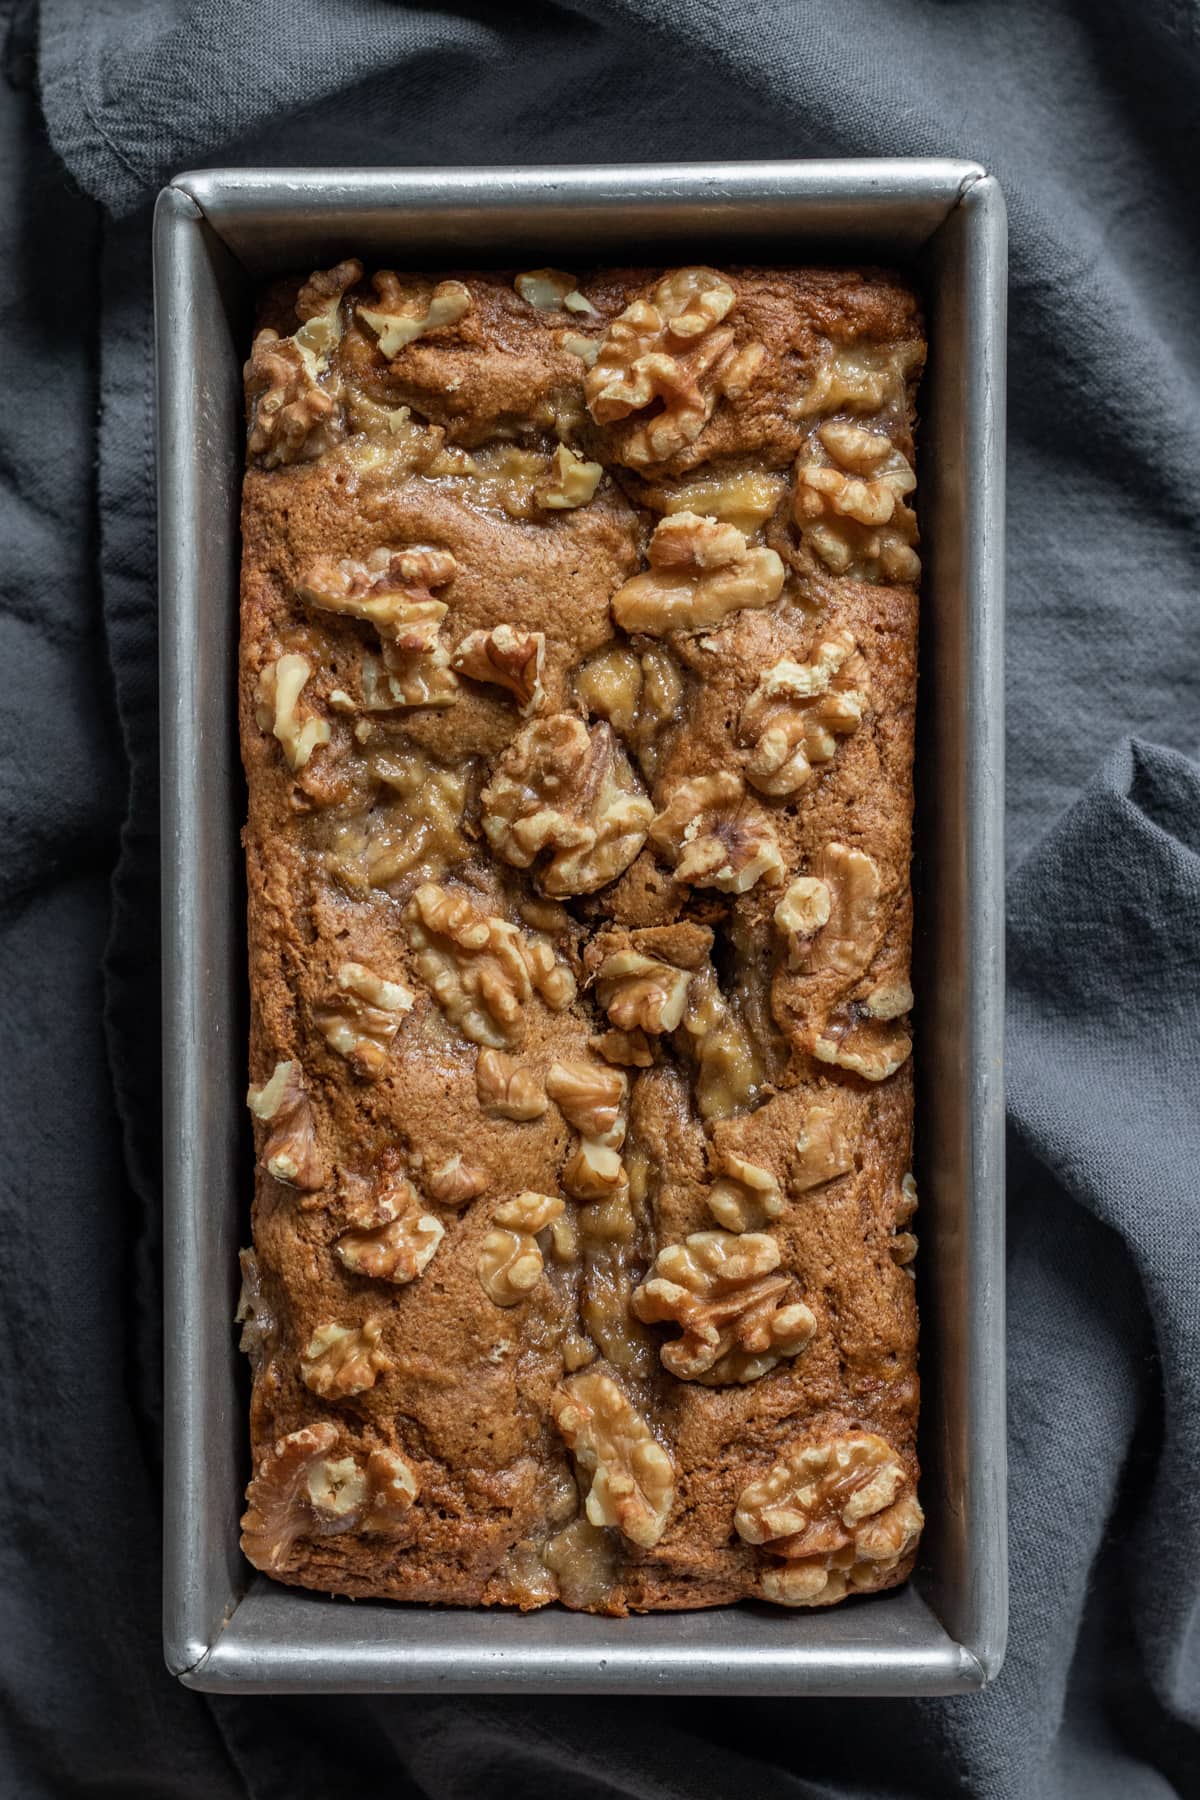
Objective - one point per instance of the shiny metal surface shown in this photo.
(216, 234)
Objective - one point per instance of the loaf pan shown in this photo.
(218, 234)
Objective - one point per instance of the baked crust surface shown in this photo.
(578, 670)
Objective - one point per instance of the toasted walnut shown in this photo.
(277, 697)
(641, 993)
(862, 377)
(841, 1513)
(454, 1182)
(745, 1197)
(571, 481)
(632, 1477)
(507, 1089)
(293, 401)
(589, 1097)
(343, 1360)
(509, 659)
(482, 970)
(700, 571)
(552, 289)
(397, 1252)
(275, 1513)
(392, 590)
(673, 349)
(729, 1069)
(567, 790)
(637, 692)
(850, 504)
(407, 313)
(511, 1262)
(822, 1153)
(745, 498)
(360, 1019)
(798, 711)
(290, 1151)
(730, 1300)
(254, 1315)
(903, 1245)
(716, 836)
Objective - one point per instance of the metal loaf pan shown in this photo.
(218, 233)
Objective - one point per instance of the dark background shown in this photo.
(1088, 115)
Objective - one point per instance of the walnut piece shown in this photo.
(846, 940)
(671, 349)
(343, 1360)
(569, 791)
(507, 658)
(506, 1089)
(903, 1245)
(798, 711)
(292, 394)
(799, 914)
(510, 1261)
(850, 504)
(454, 1182)
(397, 1252)
(746, 498)
(715, 836)
(482, 970)
(570, 482)
(360, 1019)
(727, 1294)
(840, 1512)
(300, 1490)
(254, 1315)
(745, 1197)
(637, 692)
(822, 1153)
(275, 1516)
(590, 1098)
(550, 290)
(407, 313)
(277, 697)
(700, 571)
(391, 589)
(373, 1496)
(289, 1151)
(632, 1477)
(864, 1046)
(642, 993)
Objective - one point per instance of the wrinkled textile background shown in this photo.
(1086, 110)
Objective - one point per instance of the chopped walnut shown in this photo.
(567, 790)
(850, 504)
(862, 377)
(254, 1315)
(589, 1097)
(397, 1252)
(511, 1262)
(642, 993)
(571, 482)
(295, 410)
(552, 289)
(482, 969)
(637, 692)
(732, 1304)
(277, 697)
(454, 1182)
(745, 1197)
(369, 1202)
(594, 1171)
(275, 1513)
(700, 571)
(745, 498)
(509, 659)
(840, 1512)
(822, 1153)
(360, 1019)
(407, 313)
(671, 348)
(716, 837)
(290, 1151)
(798, 711)
(507, 1089)
(393, 591)
(632, 1477)
(343, 1360)
(729, 1069)
(903, 1244)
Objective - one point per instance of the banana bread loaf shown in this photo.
(577, 688)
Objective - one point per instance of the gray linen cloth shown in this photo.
(1087, 113)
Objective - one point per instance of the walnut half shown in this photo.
(716, 836)
(290, 1151)
(700, 571)
(797, 712)
(300, 1490)
(732, 1303)
(343, 1360)
(511, 1262)
(482, 970)
(850, 504)
(362, 1016)
(632, 1477)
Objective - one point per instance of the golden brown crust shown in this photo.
(573, 945)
